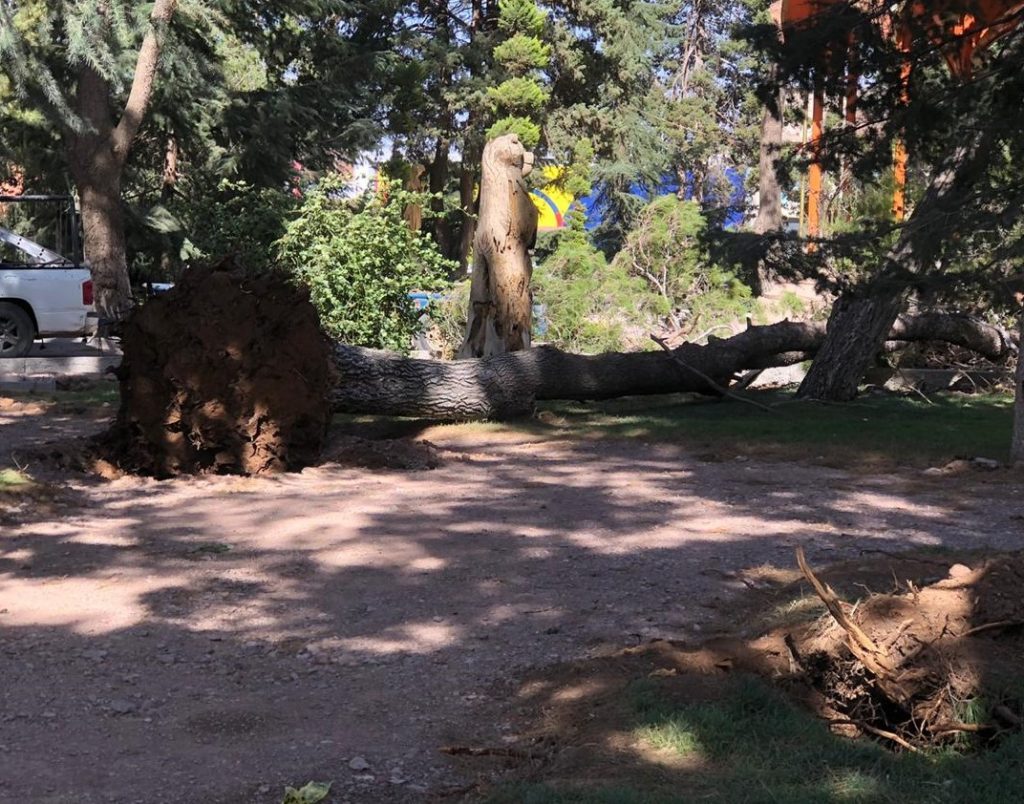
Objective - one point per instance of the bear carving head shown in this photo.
(507, 153)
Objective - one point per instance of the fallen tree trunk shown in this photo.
(231, 374)
(505, 386)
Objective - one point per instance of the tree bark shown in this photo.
(97, 155)
(508, 385)
(500, 303)
(437, 174)
(467, 204)
(857, 328)
(861, 317)
(104, 240)
(413, 213)
(769, 205)
(1017, 443)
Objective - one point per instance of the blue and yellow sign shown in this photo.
(552, 201)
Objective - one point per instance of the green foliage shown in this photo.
(240, 219)
(448, 319)
(593, 306)
(578, 175)
(521, 16)
(518, 95)
(360, 261)
(244, 68)
(522, 53)
(242, 92)
(527, 131)
(666, 250)
(309, 793)
(520, 98)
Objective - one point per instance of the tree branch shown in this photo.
(142, 82)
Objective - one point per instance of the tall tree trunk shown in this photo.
(769, 205)
(1017, 445)
(104, 242)
(97, 154)
(97, 171)
(413, 213)
(857, 328)
(172, 154)
(467, 203)
(438, 181)
(862, 316)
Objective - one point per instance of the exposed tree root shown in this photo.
(905, 667)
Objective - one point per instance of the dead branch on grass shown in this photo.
(888, 735)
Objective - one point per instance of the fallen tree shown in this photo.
(505, 386)
(229, 373)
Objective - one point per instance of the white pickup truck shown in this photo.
(42, 294)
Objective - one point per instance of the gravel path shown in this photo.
(213, 640)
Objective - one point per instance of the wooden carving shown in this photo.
(500, 302)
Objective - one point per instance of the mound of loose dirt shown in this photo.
(224, 374)
(389, 453)
(905, 666)
(936, 659)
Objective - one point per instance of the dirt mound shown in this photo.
(224, 374)
(934, 664)
(922, 666)
(390, 453)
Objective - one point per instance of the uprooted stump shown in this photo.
(680, 719)
(925, 666)
(223, 374)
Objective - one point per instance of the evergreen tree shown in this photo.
(521, 56)
(159, 107)
(112, 54)
(963, 130)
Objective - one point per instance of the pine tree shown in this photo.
(962, 129)
(239, 91)
(521, 56)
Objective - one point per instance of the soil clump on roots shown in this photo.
(224, 374)
(922, 666)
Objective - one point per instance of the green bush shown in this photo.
(360, 261)
(667, 250)
(448, 320)
(593, 306)
(240, 219)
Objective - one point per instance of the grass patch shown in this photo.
(763, 748)
(757, 746)
(876, 428)
(880, 431)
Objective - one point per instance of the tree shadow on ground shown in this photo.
(218, 638)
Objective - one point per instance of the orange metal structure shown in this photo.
(961, 28)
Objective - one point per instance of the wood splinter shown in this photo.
(861, 645)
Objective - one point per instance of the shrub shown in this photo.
(240, 219)
(360, 261)
(667, 250)
(593, 306)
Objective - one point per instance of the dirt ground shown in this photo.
(212, 640)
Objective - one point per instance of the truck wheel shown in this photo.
(16, 331)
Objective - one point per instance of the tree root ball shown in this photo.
(223, 374)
